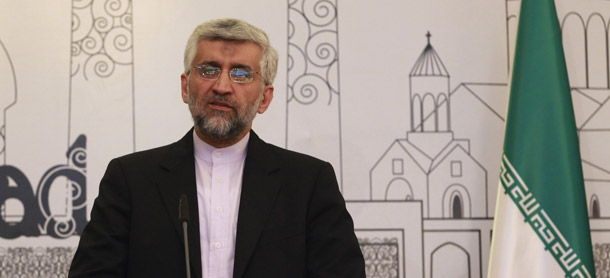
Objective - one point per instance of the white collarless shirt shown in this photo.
(219, 173)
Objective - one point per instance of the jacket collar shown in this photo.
(260, 186)
(178, 177)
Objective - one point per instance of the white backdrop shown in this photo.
(406, 98)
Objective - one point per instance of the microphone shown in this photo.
(183, 215)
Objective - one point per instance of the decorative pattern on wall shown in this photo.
(74, 221)
(313, 80)
(381, 257)
(102, 74)
(35, 262)
(601, 253)
(36, 216)
(101, 37)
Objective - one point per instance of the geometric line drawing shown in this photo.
(463, 254)
(8, 95)
(436, 167)
(429, 64)
(428, 111)
(426, 119)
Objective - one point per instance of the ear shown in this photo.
(184, 80)
(266, 99)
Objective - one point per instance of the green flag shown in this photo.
(541, 226)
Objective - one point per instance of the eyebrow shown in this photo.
(216, 64)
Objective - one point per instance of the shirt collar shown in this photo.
(213, 155)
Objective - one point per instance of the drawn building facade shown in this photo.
(433, 166)
(430, 164)
(408, 169)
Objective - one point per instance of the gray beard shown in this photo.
(217, 125)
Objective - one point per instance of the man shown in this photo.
(256, 210)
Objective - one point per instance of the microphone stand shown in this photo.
(183, 214)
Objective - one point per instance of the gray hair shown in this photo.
(233, 30)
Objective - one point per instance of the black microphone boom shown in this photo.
(183, 215)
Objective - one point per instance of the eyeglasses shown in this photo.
(237, 74)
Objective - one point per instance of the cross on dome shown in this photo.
(429, 63)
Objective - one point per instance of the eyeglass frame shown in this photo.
(200, 75)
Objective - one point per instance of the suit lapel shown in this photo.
(260, 186)
(177, 176)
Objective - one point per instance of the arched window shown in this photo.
(574, 46)
(450, 260)
(416, 112)
(399, 189)
(456, 207)
(429, 113)
(456, 202)
(595, 210)
(597, 75)
(442, 105)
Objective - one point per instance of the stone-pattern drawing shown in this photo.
(381, 257)
(313, 118)
(602, 259)
(52, 262)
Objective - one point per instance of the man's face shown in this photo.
(223, 110)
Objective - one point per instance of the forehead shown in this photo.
(228, 53)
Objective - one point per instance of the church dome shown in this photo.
(429, 63)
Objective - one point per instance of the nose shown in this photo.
(224, 84)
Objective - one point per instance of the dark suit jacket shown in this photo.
(292, 219)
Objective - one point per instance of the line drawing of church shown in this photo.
(430, 154)
(433, 177)
(436, 187)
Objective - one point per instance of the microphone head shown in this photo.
(183, 213)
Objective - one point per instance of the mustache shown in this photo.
(223, 98)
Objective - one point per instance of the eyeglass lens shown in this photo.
(239, 75)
